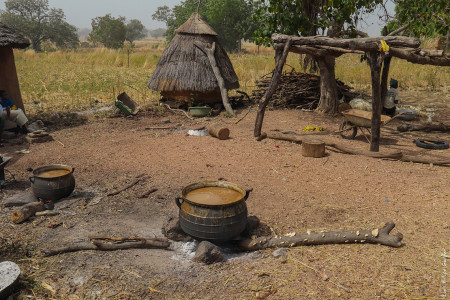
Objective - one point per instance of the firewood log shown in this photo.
(375, 236)
(23, 213)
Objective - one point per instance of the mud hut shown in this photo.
(184, 72)
(10, 39)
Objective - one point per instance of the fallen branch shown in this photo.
(423, 160)
(424, 127)
(385, 155)
(396, 155)
(290, 138)
(375, 236)
(98, 245)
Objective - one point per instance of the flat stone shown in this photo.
(280, 252)
(39, 139)
(208, 253)
(20, 199)
(9, 276)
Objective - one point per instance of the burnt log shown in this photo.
(376, 236)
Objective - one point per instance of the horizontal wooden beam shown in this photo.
(318, 50)
(417, 56)
(362, 44)
(419, 59)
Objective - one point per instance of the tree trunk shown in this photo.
(328, 89)
(313, 148)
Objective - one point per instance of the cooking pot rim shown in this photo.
(42, 169)
(212, 183)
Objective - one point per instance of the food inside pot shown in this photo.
(53, 173)
(214, 195)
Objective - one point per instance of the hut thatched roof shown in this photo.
(196, 25)
(10, 38)
(185, 68)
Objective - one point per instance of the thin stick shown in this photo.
(144, 195)
(172, 109)
(126, 188)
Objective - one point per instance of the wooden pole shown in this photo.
(272, 87)
(375, 61)
(384, 77)
(212, 60)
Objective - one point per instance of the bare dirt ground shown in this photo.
(290, 193)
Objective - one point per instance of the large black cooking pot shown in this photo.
(214, 222)
(52, 182)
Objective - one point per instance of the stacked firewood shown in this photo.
(298, 90)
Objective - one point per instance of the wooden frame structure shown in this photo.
(320, 46)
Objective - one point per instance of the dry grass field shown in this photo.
(76, 80)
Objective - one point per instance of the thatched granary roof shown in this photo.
(12, 39)
(185, 68)
(196, 25)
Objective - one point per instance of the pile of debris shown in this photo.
(298, 90)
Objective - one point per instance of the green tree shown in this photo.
(135, 30)
(425, 18)
(38, 22)
(109, 31)
(231, 19)
(162, 14)
(308, 18)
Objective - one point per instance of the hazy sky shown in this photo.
(81, 12)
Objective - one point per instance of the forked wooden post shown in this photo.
(375, 61)
(212, 60)
(272, 87)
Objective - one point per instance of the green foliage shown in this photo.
(162, 14)
(109, 31)
(231, 19)
(135, 30)
(425, 17)
(307, 17)
(35, 20)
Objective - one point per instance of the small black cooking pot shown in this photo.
(52, 182)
